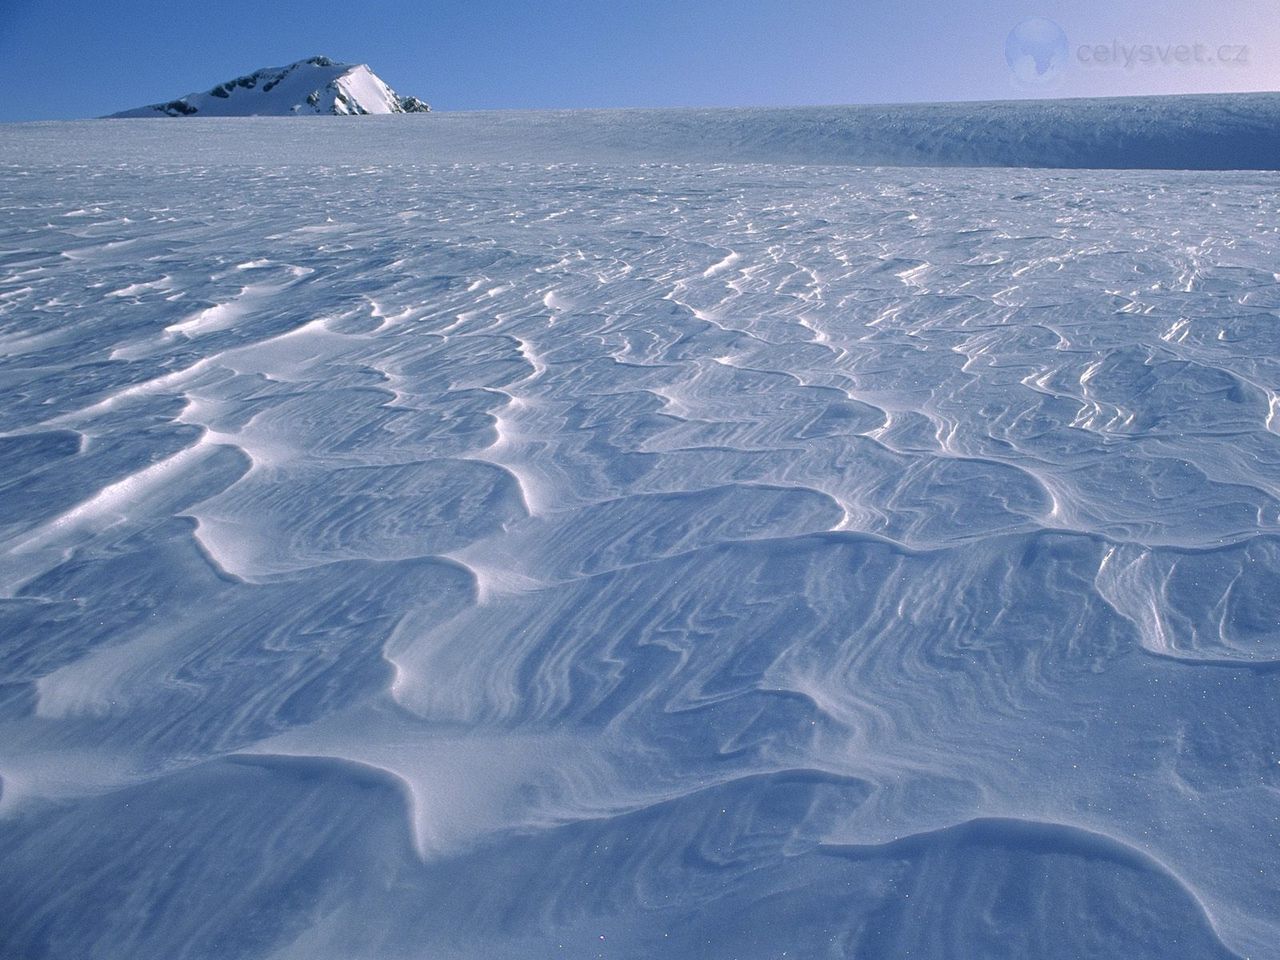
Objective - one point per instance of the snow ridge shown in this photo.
(1193, 132)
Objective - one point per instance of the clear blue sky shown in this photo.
(78, 58)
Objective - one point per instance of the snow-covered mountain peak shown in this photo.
(314, 86)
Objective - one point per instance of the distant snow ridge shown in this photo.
(315, 86)
(1239, 131)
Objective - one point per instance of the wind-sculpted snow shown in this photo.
(629, 560)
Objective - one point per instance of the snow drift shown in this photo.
(402, 556)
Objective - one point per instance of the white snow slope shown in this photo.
(1206, 132)
(405, 555)
(314, 86)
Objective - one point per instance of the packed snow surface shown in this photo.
(407, 555)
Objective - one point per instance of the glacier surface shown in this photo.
(405, 554)
(1198, 132)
